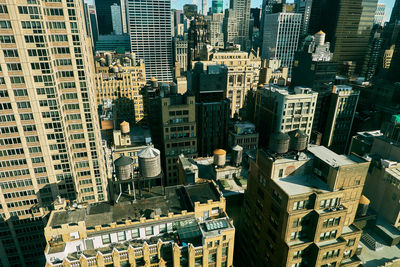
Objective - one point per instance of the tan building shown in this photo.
(243, 73)
(49, 133)
(299, 208)
(272, 72)
(186, 227)
(120, 78)
(387, 57)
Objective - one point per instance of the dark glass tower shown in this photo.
(103, 9)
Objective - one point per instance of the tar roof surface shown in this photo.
(302, 184)
(331, 157)
(176, 199)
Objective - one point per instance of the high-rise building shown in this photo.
(380, 17)
(340, 116)
(116, 19)
(395, 16)
(172, 120)
(50, 139)
(394, 69)
(348, 26)
(204, 7)
(181, 52)
(279, 109)
(217, 6)
(93, 23)
(313, 67)
(374, 55)
(242, 10)
(299, 208)
(121, 79)
(212, 108)
(304, 7)
(151, 37)
(243, 73)
(215, 30)
(104, 15)
(190, 10)
(230, 27)
(281, 37)
(197, 40)
(187, 226)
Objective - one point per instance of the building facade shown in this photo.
(181, 52)
(120, 80)
(116, 19)
(217, 6)
(187, 227)
(342, 108)
(150, 36)
(50, 138)
(279, 109)
(230, 27)
(300, 210)
(215, 30)
(281, 37)
(380, 17)
(242, 11)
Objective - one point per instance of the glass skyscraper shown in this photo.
(217, 6)
(150, 32)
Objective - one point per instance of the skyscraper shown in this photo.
(103, 8)
(242, 9)
(116, 19)
(395, 16)
(151, 36)
(204, 7)
(281, 37)
(380, 14)
(49, 136)
(217, 6)
(304, 7)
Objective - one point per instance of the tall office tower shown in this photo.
(197, 40)
(230, 27)
(243, 73)
(304, 7)
(281, 37)
(299, 210)
(395, 16)
(348, 26)
(151, 37)
(215, 30)
(204, 7)
(242, 9)
(374, 54)
(104, 15)
(313, 67)
(190, 10)
(217, 6)
(379, 17)
(181, 52)
(50, 139)
(93, 24)
(342, 108)
(255, 13)
(116, 19)
(212, 108)
(120, 79)
(279, 109)
(394, 69)
(267, 8)
(172, 120)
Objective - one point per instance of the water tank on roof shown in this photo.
(123, 167)
(115, 69)
(154, 82)
(164, 88)
(127, 60)
(298, 140)
(102, 61)
(173, 89)
(219, 157)
(237, 154)
(125, 129)
(279, 142)
(120, 69)
(149, 162)
(133, 59)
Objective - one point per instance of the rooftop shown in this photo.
(176, 199)
(331, 158)
(302, 184)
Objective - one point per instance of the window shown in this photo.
(121, 236)
(149, 230)
(297, 254)
(351, 242)
(298, 205)
(212, 258)
(280, 172)
(106, 239)
(328, 235)
(163, 228)
(224, 251)
(135, 233)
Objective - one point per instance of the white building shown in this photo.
(380, 14)
(242, 9)
(116, 19)
(150, 36)
(215, 30)
(281, 37)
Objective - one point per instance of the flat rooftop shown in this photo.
(176, 199)
(331, 158)
(302, 184)
(395, 172)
